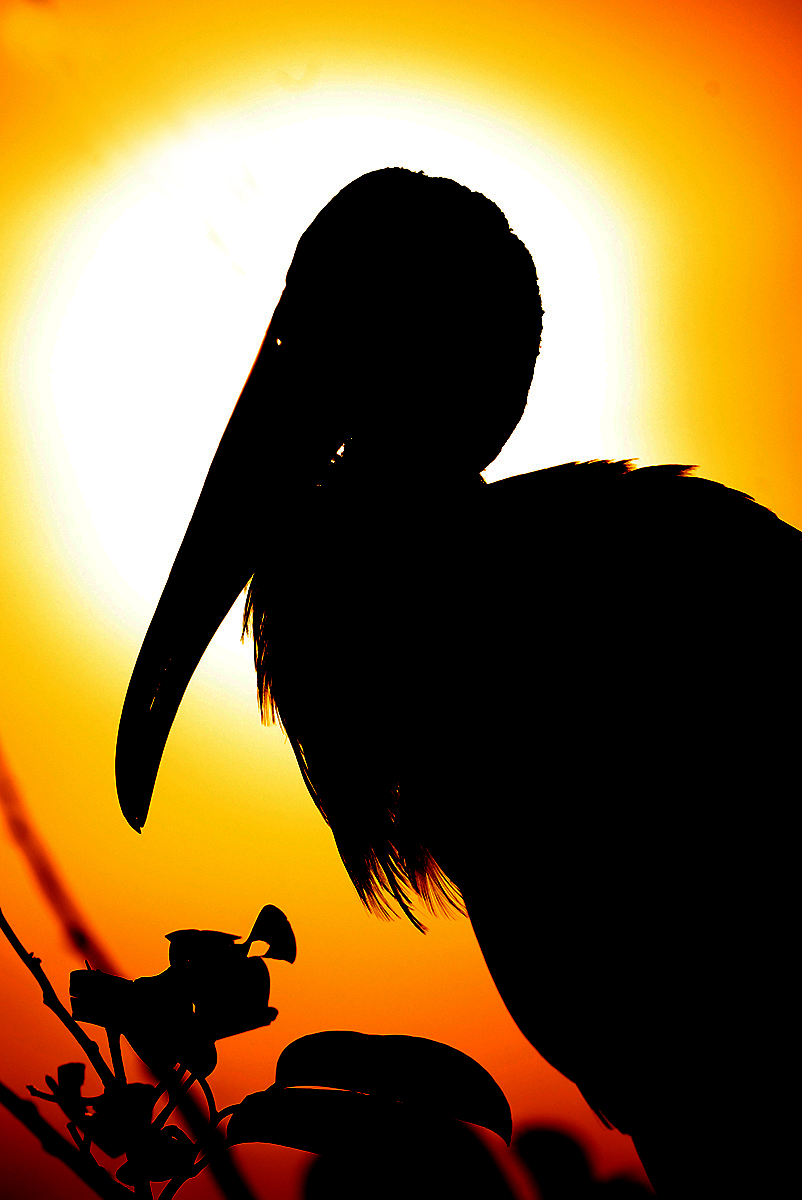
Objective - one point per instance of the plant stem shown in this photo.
(214, 1145)
(51, 1001)
(84, 1165)
(172, 1188)
(222, 1166)
(115, 1050)
(179, 1181)
(207, 1091)
(176, 1096)
(225, 1112)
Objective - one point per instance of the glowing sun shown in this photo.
(178, 272)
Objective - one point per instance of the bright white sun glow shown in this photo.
(177, 271)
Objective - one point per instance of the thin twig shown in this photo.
(24, 834)
(51, 1001)
(172, 1188)
(179, 1181)
(207, 1091)
(80, 1142)
(175, 1099)
(226, 1112)
(115, 1050)
(53, 1143)
(221, 1164)
(210, 1140)
(213, 1143)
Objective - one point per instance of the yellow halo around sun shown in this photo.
(177, 273)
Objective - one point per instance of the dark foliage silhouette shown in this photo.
(374, 1084)
(558, 1165)
(556, 1162)
(334, 1092)
(211, 990)
(452, 1161)
(567, 700)
(429, 1161)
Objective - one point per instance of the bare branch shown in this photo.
(172, 1188)
(53, 1143)
(51, 1001)
(207, 1091)
(116, 1055)
(24, 835)
(176, 1097)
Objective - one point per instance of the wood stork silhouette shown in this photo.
(569, 698)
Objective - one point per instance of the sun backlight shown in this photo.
(175, 286)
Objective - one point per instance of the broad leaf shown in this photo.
(211, 990)
(272, 926)
(310, 1119)
(371, 1074)
(161, 1154)
(399, 1068)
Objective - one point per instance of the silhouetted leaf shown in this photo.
(161, 1154)
(101, 999)
(66, 1091)
(423, 1159)
(71, 1076)
(272, 926)
(211, 990)
(122, 1116)
(189, 946)
(398, 1068)
(229, 991)
(378, 1080)
(119, 1116)
(313, 1119)
(155, 1013)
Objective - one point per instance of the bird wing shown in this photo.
(631, 880)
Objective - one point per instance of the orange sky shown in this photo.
(677, 125)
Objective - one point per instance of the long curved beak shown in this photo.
(213, 565)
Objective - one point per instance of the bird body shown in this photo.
(572, 683)
(567, 701)
(632, 894)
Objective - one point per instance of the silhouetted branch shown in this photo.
(172, 1188)
(213, 1143)
(115, 1050)
(33, 850)
(53, 1143)
(208, 1138)
(214, 1118)
(177, 1096)
(51, 1001)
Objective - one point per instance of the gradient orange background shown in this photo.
(683, 119)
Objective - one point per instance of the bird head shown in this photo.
(404, 341)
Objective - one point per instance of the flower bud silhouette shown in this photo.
(211, 990)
